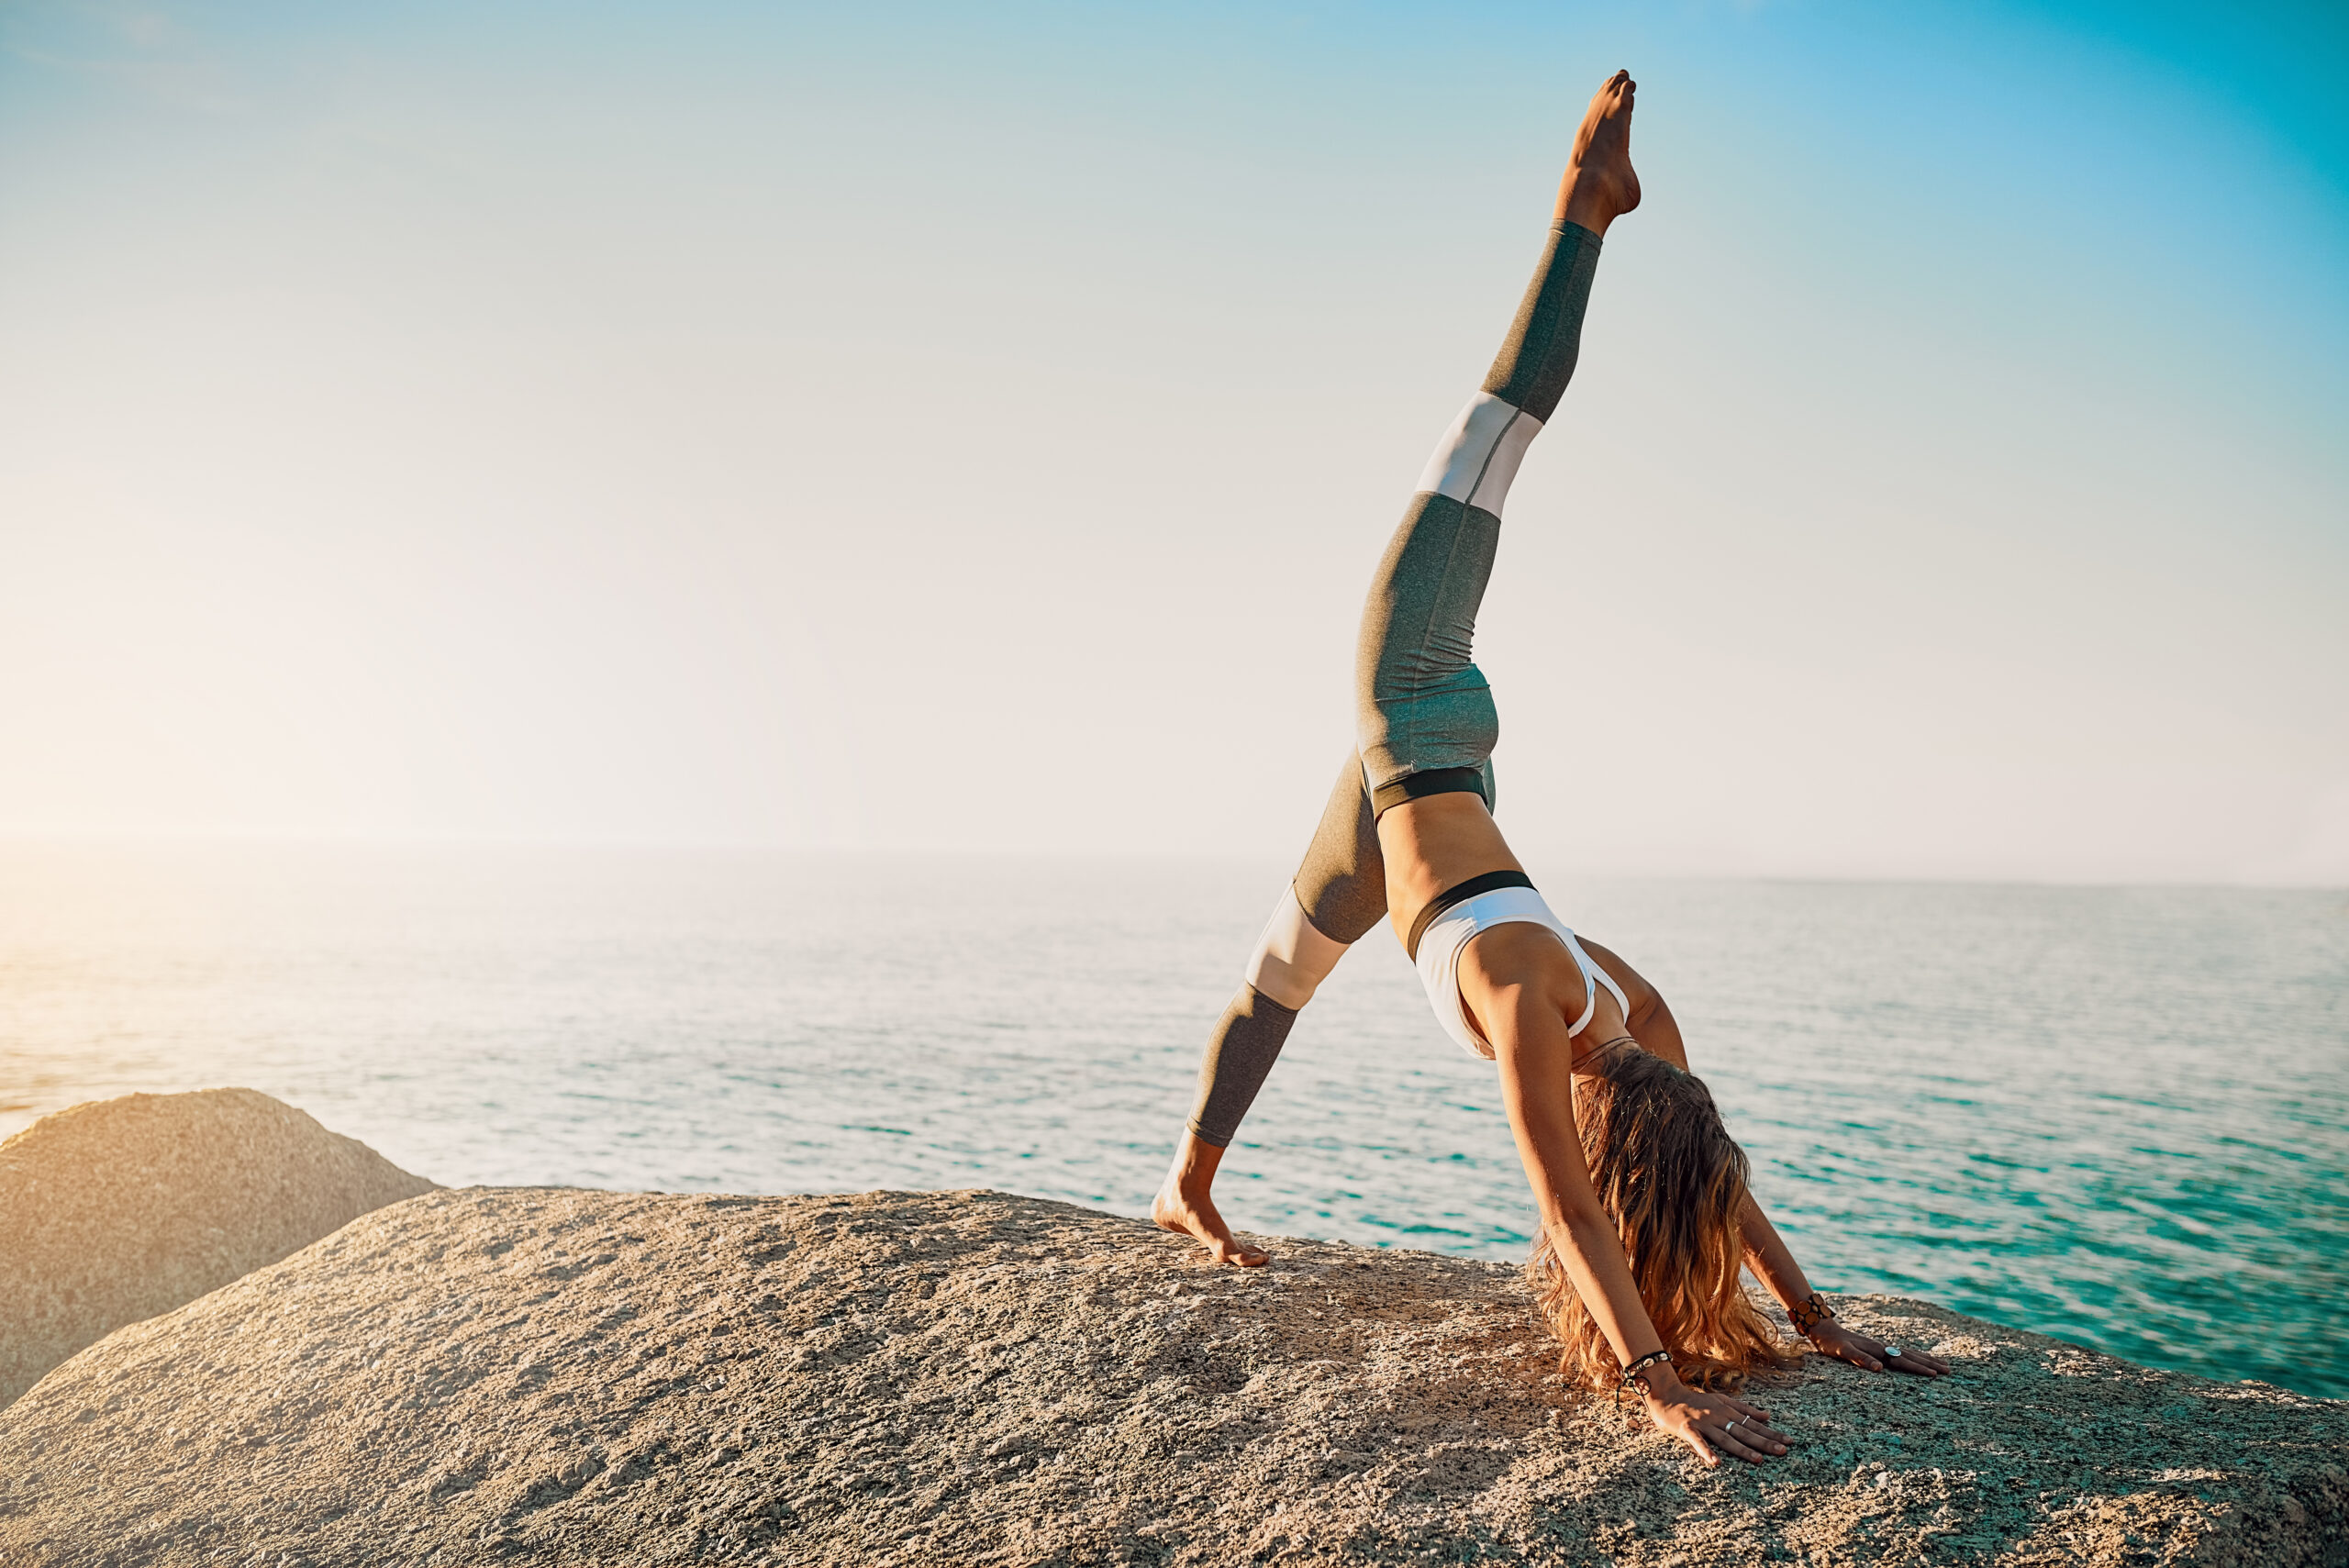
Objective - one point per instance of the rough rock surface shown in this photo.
(117, 1210)
(581, 1377)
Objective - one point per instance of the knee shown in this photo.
(1292, 957)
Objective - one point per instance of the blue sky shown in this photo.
(971, 428)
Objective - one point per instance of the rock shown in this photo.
(582, 1377)
(120, 1209)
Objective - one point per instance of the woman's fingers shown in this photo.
(1917, 1363)
(1874, 1355)
(1755, 1434)
(1733, 1442)
(1745, 1415)
(1903, 1358)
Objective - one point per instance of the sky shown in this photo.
(971, 428)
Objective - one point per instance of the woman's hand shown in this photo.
(1832, 1339)
(1713, 1424)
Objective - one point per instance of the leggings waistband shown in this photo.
(1430, 781)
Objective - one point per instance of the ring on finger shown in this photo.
(1892, 1352)
(1729, 1429)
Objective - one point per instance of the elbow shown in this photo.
(1588, 1225)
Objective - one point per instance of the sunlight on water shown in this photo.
(2115, 1115)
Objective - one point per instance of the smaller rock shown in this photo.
(118, 1210)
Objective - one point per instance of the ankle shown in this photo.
(1190, 1187)
(1196, 1161)
(1584, 200)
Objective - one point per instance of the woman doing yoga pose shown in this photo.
(1645, 1213)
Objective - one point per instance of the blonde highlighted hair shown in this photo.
(1672, 1180)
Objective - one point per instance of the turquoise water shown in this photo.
(2120, 1116)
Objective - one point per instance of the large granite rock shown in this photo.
(117, 1210)
(582, 1378)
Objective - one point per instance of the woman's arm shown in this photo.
(1508, 975)
(1766, 1253)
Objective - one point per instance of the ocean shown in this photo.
(2116, 1115)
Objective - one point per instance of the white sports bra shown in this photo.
(1439, 959)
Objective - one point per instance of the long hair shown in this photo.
(1672, 1180)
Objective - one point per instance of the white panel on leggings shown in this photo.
(1478, 456)
(1292, 957)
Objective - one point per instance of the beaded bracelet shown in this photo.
(1631, 1372)
(1808, 1314)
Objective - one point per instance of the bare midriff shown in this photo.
(1435, 843)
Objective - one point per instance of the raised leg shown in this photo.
(1424, 717)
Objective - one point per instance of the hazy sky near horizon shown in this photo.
(972, 427)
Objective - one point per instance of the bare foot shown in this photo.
(1184, 1206)
(1599, 186)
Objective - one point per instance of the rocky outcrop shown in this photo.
(579, 1377)
(120, 1209)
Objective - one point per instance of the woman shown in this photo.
(1645, 1213)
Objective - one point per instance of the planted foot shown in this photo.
(1184, 1206)
(1600, 185)
(1174, 1213)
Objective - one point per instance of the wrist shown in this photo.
(1810, 1315)
(1662, 1383)
(1643, 1371)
